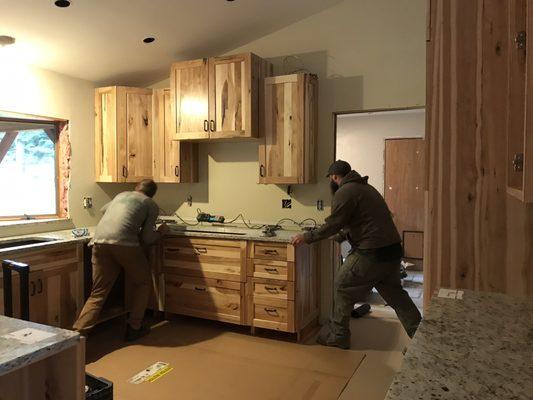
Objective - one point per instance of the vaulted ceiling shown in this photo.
(102, 40)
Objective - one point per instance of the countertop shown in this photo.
(15, 354)
(204, 230)
(478, 347)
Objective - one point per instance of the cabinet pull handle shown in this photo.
(32, 283)
(40, 290)
(271, 289)
(206, 125)
(271, 311)
(212, 126)
(172, 250)
(124, 171)
(200, 289)
(177, 170)
(271, 252)
(262, 171)
(145, 120)
(272, 270)
(200, 250)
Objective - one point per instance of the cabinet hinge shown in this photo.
(520, 40)
(518, 162)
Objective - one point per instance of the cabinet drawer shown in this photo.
(278, 270)
(271, 251)
(269, 316)
(272, 290)
(205, 258)
(204, 298)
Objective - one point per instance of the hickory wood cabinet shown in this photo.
(56, 284)
(287, 153)
(520, 97)
(218, 97)
(253, 283)
(134, 141)
(173, 161)
(123, 134)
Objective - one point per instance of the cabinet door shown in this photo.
(287, 155)
(174, 161)
(105, 135)
(230, 94)
(189, 90)
(137, 154)
(37, 292)
(60, 295)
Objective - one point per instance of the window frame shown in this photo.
(58, 125)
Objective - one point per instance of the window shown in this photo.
(29, 168)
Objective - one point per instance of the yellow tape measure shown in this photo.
(159, 374)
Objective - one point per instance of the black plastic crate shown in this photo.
(99, 388)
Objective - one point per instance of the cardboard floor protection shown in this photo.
(210, 361)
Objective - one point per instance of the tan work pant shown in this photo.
(108, 260)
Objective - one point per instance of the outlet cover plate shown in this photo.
(286, 203)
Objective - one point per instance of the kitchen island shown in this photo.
(40, 362)
(477, 347)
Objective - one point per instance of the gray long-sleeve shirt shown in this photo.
(129, 220)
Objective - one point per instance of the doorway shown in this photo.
(388, 146)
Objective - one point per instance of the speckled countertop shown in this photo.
(480, 347)
(15, 354)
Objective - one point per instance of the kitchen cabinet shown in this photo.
(218, 98)
(253, 283)
(287, 153)
(282, 288)
(123, 134)
(56, 284)
(173, 161)
(520, 97)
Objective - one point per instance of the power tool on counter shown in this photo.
(205, 217)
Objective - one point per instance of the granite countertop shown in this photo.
(55, 238)
(477, 347)
(16, 354)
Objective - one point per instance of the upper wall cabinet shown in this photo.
(123, 134)
(174, 161)
(287, 153)
(218, 98)
(520, 110)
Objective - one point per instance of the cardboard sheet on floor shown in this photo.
(210, 362)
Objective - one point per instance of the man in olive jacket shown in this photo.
(360, 215)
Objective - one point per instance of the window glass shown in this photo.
(28, 173)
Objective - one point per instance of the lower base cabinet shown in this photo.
(273, 285)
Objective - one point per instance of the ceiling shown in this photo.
(101, 40)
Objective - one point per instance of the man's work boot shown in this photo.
(327, 338)
(361, 311)
(135, 334)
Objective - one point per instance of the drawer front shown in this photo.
(204, 298)
(272, 290)
(205, 258)
(47, 258)
(273, 316)
(271, 251)
(278, 270)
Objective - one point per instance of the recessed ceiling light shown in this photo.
(148, 40)
(6, 40)
(62, 3)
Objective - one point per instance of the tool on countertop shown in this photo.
(205, 217)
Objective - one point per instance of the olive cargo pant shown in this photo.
(354, 282)
(108, 260)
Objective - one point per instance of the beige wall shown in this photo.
(368, 54)
(361, 139)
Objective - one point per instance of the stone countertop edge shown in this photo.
(15, 355)
(478, 347)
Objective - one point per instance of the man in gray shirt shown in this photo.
(127, 225)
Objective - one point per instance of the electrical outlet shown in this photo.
(286, 203)
(87, 202)
(189, 200)
(320, 205)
